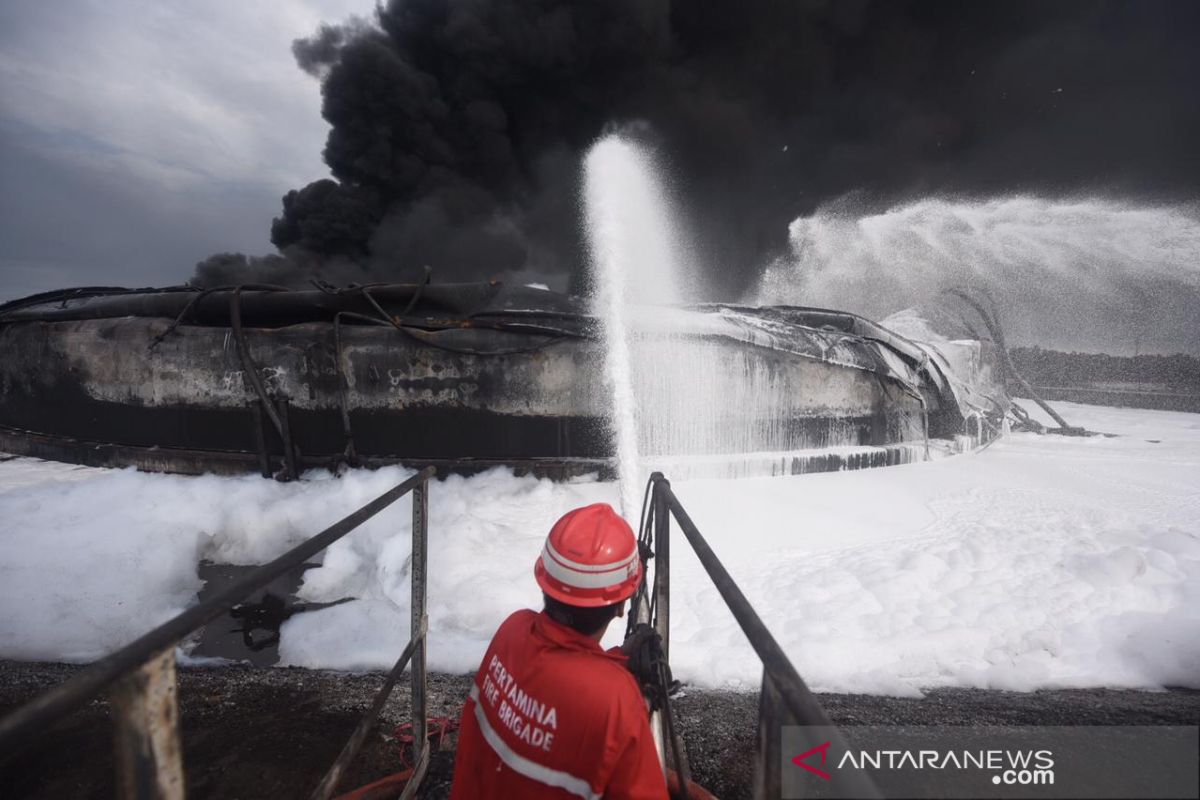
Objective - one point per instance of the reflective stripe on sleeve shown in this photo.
(530, 769)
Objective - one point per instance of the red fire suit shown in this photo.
(552, 715)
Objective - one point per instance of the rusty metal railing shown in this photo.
(140, 677)
(785, 698)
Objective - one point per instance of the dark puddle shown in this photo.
(250, 631)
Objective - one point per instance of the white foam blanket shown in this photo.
(1039, 562)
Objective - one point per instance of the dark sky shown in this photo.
(137, 136)
(457, 129)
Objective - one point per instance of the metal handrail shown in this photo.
(780, 679)
(147, 663)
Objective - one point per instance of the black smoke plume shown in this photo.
(457, 127)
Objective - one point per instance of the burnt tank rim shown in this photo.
(431, 306)
(490, 313)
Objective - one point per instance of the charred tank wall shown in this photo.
(412, 396)
(99, 380)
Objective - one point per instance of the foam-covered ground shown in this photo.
(1038, 562)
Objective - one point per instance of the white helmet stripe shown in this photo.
(614, 575)
(576, 566)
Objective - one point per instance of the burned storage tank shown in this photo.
(462, 376)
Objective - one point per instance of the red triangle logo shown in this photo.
(823, 749)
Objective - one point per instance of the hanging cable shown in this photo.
(250, 370)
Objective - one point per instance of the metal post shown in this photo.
(662, 615)
(420, 622)
(662, 562)
(146, 722)
(771, 712)
(260, 439)
(659, 723)
(289, 450)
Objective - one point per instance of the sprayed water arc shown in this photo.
(710, 391)
(633, 243)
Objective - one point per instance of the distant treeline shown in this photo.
(1180, 373)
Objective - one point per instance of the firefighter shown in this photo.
(551, 714)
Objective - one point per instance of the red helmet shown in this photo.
(590, 558)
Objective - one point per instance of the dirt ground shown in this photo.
(255, 733)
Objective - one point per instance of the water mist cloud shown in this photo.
(1083, 274)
